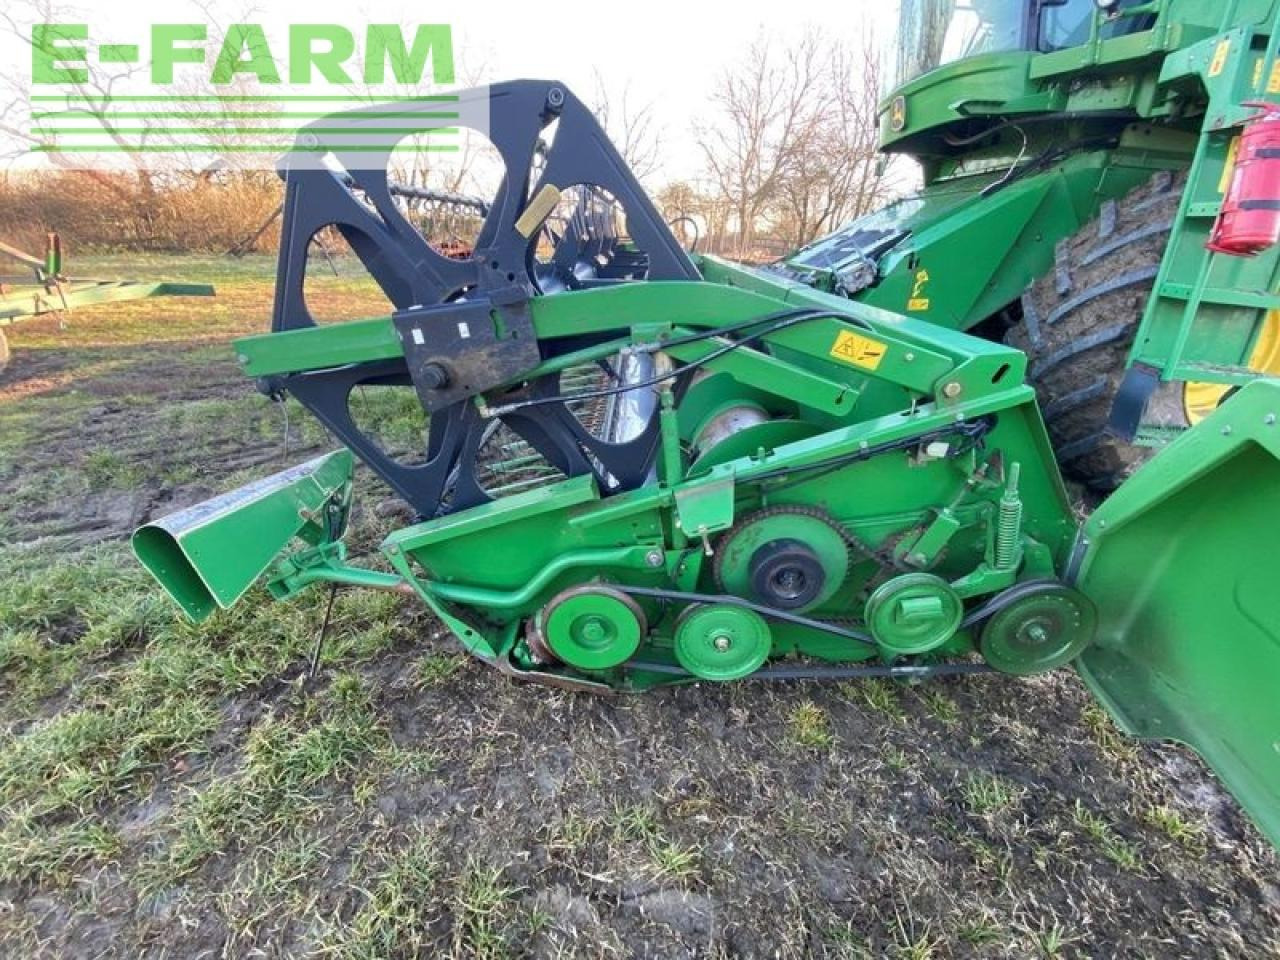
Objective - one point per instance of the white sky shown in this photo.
(665, 53)
(669, 55)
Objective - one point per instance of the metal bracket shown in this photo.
(1140, 381)
(458, 350)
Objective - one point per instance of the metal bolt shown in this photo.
(653, 558)
(909, 356)
(1226, 431)
(1269, 419)
(722, 642)
(434, 376)
(951, 390)
(706, 540)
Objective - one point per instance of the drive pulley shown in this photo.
(788, 557)
(718, 641)
(1038, 626)
(591, 627)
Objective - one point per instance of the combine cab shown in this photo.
(644, 468)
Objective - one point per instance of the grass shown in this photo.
(880, 695)
(1175, 825)
(988, 795)
(1107, 735)
(1098, 829)
(1051, 941)
(482, 902)
(940, 706)
(675, 861)
(286, 760)
(980, 931)
(106, 469)
(394, 915)
(809, 727)
(438, 668)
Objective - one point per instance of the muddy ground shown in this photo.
(174, 791)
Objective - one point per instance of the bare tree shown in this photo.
(633, 128)
(767, 106)
(95, 99)
(792, 148)
(833, 173)
(698, 215)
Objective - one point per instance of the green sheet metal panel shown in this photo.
(208, 555)
(1182, 564)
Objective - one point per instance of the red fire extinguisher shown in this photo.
(1249, 220)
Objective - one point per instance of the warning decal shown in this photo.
(859, 350)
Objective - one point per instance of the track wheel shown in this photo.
(1078, 324)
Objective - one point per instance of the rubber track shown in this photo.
(1078, 323)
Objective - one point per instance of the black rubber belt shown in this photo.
(771, 612)
(919, 672)
(999, 602)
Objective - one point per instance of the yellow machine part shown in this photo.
(1201, 399)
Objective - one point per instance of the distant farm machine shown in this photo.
(45, 288)
(644, 467)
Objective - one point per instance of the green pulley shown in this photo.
(592, 627)
(913, 613)
(722, 642)
(1038, 627)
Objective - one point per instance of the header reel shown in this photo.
(464, 324)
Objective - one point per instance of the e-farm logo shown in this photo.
(200, 94)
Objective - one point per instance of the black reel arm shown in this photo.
(465, 323)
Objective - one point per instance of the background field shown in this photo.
(175, 791)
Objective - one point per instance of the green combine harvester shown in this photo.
(1075, 156)
(645, 468)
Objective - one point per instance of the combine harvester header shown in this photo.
(646, 467)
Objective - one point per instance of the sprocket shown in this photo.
(792, 557)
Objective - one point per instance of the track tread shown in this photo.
(1078, 324)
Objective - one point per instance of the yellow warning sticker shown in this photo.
(859, 350)
(1273, 82)
(917, 300)
(1219, 57)
(1229, 165)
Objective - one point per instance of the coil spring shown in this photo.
(1009, 523)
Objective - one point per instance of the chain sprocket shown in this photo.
(856, 550)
